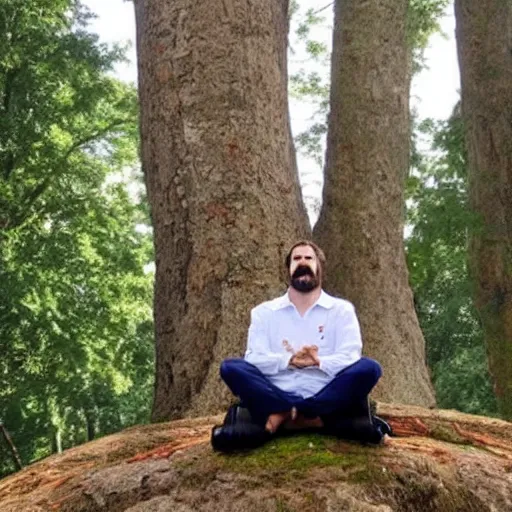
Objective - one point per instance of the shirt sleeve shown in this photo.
(347, 345)
(258, 350)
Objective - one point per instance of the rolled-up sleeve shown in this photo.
(348, 344)
(258, 350)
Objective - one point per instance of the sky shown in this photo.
(434, 90)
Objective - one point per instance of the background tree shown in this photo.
(439, 219)
(221, 176)
(75, 325)
(484, 48)
(438, 216)
(310, 80)
(361, 221)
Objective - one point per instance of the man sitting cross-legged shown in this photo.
(303, 363)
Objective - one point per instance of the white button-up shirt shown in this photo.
(277, 330)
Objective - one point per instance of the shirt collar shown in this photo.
(325, 301)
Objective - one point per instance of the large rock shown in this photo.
(442, 461)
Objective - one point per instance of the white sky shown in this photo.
(434, 90)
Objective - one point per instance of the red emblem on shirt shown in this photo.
(287, 346)
(320, 328)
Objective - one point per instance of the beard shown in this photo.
(304, 285)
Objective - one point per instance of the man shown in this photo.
(303, 363)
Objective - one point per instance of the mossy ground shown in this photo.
(286, 460)
(447, 434)
(295, 456)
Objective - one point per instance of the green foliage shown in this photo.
(436, 252)
(75, 301)
(422, 22)
(311, 18)
(311, 82)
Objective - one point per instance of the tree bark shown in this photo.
(484, 40)
(361, 222)
(222, 183)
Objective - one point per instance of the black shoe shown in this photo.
(383, 426)
(238, 432)
(238, 414)
(356, 424)
(233, 438)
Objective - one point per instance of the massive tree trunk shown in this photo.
(221, 176)
(361, 221)
(484, 39)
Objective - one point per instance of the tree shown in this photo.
(361, 221)
(439, 218)
(75, 326)
(220, 171)
(310, 84)
(483, 41)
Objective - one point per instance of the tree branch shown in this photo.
(323, 8)
(8, 164)
(9, 76)
(6, 103)
(31, 197)
(93, 136)
(14, 453)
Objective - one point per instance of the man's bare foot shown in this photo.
(386, 440)
(301, 422)
(274, 421)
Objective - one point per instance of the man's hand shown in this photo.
(312, 352)
(306, 356)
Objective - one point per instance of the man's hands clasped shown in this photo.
(306, 356)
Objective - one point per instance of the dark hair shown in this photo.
(319, 255)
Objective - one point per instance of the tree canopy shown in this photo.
(76, 327)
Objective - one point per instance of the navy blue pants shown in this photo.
(348, 389)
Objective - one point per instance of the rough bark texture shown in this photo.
(221, 177)
(443, 461)
(361, 222)
(484, 39)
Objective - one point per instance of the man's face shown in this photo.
(304, 269)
